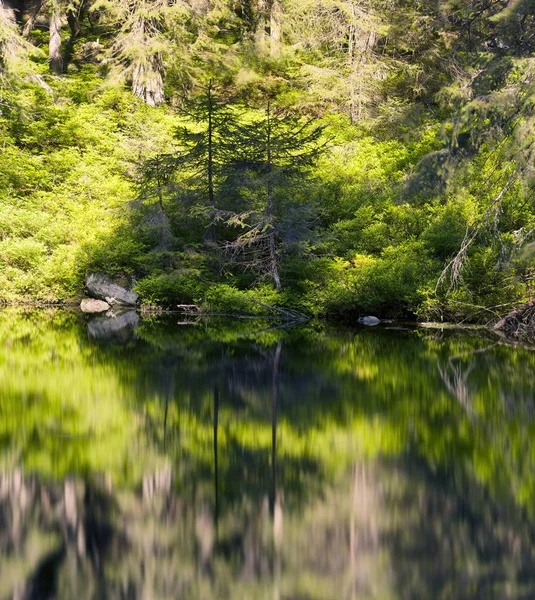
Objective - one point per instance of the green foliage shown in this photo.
(167, 289)
(393, 283)
(184, 139)
(224, 298)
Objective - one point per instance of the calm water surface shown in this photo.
(146, 459)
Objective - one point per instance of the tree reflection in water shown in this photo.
(206, 462)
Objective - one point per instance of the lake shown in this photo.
(156, 457)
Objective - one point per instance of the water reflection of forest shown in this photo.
(382, 531)
(206, 462)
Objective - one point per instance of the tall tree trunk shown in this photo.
(210, 233)
(270, 209)
(73, 15)
(147, 81)
(275, 15)
(15, 8)
(261, 25)
(54, 49)
(353, 60)
(359, 52)
(268, 29)
(74, 23)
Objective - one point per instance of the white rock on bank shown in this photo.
(90, 305)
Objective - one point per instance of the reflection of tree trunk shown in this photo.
(166, 411)
(75, 525)
(274, 397)
(276, 498)
(353, 536)
(167, 382)
(216, 465)
(204, 529)
(54, 49)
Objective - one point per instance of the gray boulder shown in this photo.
(90, 305)
(369, 321)
(102, 287)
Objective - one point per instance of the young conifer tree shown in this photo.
(192, 176)
(271, 173)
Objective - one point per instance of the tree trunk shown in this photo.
(210, 234)
(261, 25)
(270, 209)
(30, 23)
(275, 14)
(268, 28)
(54, 49)
(74, 23)
(353, 60)
(360, 46)
(15, 8)
(520, 322)
(74, 26)
(147, 81)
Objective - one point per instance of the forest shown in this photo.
(333, 157)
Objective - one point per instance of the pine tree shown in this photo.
(270, 172)
(193, 175)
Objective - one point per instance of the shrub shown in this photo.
(170, 289)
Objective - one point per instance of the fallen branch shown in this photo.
(288, 312)
(191, 309)
(520, 322)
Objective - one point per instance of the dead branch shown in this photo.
(519, 323)
(455, 266)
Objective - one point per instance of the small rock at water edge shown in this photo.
(90, 305)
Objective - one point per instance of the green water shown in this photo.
(143, 458)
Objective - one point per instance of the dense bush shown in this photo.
(382, 165)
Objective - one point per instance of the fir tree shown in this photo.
(270, 171)
(192, 176)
